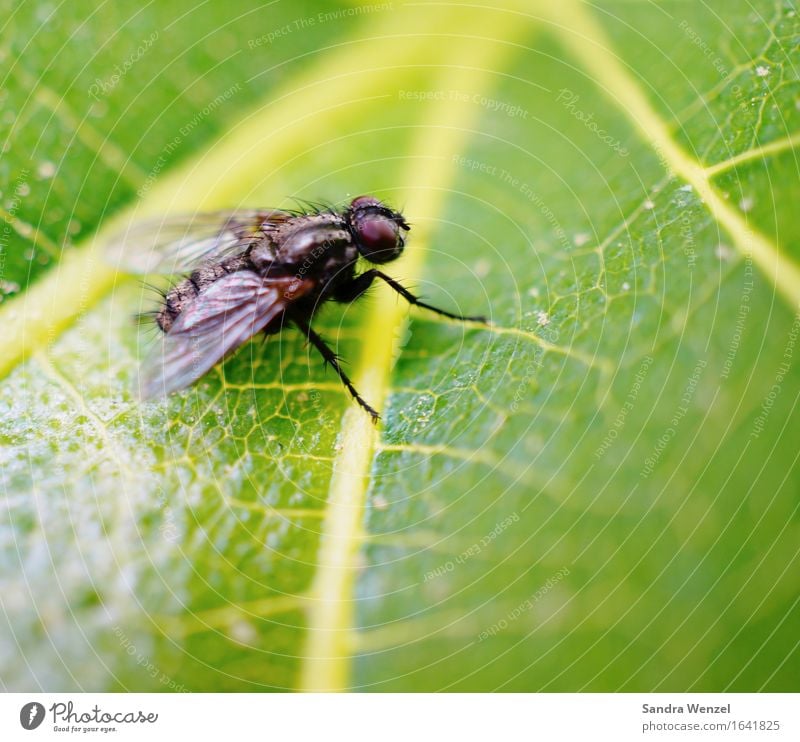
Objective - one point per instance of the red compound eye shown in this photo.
(376, 229)
(378, 234)
(378, 239)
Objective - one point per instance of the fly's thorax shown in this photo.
(311, 240)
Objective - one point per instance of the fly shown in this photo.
(251, 271)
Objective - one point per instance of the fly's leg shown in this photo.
(353, 289)
(330, 357)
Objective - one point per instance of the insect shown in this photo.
(251, 271)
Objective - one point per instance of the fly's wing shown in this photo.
(181, 243)
(220, 319)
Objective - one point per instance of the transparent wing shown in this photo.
(219, 320)
(180, 243)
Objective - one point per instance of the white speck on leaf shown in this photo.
(47, 169)
(626, 286)
(243, 632)
(580, 239)
(746, 204)
(649, 205)
(482, 268)
(542, 318)
(379, 502)
(723, 252)
(762, 70)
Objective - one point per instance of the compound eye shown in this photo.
(378, 239)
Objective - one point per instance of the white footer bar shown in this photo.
(400, 717)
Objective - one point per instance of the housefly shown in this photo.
(251, 271)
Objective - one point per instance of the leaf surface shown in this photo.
(596, 492)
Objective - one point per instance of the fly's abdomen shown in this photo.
(183, 293)
(175, 301)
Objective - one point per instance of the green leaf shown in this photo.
(595, 492)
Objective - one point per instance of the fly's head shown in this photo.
(378, 231)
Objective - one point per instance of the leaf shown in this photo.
(596, 492)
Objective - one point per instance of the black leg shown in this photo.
(360, 284)
(330, 357)
(356, 286)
